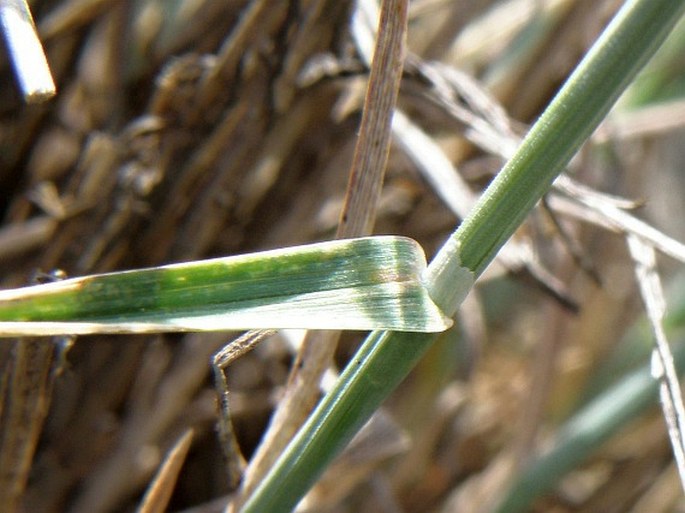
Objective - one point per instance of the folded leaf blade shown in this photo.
(357, 284)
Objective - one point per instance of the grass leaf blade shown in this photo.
(357, 284)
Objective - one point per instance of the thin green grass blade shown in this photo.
(628, 395)
(356, 284)
(385, 358)
(584, 433)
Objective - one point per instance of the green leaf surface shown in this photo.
(356, 284)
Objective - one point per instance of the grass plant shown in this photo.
(248, 134)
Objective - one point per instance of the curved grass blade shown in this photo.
(355, 284)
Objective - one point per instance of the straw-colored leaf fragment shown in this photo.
(663, 367)
(355, 284)
(25, 51)
(157, 497)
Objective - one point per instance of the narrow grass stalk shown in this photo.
(385, 358)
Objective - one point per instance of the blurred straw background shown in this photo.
(185, 129)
